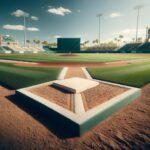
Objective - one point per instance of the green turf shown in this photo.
(81, 58)
(134, 75)
(16, 77)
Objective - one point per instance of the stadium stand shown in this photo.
(2, 50)
(135, 48)
(144, 48)
(19, 49)
(8, 49)
(129, 48)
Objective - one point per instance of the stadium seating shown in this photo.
(1, 49)
(129, 48)
(8, 49)
(144, 48)
(19, 49)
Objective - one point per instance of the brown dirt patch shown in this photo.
(127, 129)
(62, 64)
(54, 95)
(74, 72)
(70, 55)
(100, 94)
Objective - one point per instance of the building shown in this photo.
(6, 40)
(68, 45)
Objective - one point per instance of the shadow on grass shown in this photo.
(61, 128)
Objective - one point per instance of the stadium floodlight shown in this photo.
(25, 35)
(99, 17)
(137, 7)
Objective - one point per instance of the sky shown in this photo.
(49, 19)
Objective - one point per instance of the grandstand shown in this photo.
(129, 48)
(19, 49)
(9, 45)
(135, 48)
(144, 48)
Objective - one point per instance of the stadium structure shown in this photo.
(68, 44)
(9, 45)
(134, 48)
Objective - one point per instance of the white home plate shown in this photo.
(75, 85)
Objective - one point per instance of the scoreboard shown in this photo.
(68, 44)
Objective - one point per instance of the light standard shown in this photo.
(138, 7)
(99, 17)
(25, 35)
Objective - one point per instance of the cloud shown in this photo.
(116, 14)
(130, 32)
(33, 29)
(13, 27)
(34, 18)
(78, 10)
(59, 11)
(19, 13)
(19, 28)
(57, 36)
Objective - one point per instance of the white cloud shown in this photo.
(116, 14)
(78, 10)
(33, 29)
(34, 18)
(130, 32)
(13, 27)
(19, 28)
(59, 11)
(57, 36)
(19, 13)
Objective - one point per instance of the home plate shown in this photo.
(75, 85)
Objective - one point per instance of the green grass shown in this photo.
(16, 77)
(81, 58)
(136, 75)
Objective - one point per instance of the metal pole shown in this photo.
(137, 25)
(24, 30)
(99, 30)
(99, 17)
(138, 7)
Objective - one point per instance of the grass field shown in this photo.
(18, 77)
(135, 74)
(81, 58)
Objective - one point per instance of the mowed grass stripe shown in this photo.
(134, 75)
(17, 77)
(81, 58)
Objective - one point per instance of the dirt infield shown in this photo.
(100, 94)
(21, 128)
(74, 72)
(74, 64)
(59, 97)
(57, 65)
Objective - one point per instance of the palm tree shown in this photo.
(28, 42)
(38, 42)
(45, 43)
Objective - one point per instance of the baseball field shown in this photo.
(78, 58)
(22, 125)
(130, 69)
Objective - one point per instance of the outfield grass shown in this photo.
(16, 77)
(81, 58)
(136, 75)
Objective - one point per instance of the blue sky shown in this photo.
(48, 19)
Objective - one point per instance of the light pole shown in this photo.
(99, 17)
(25, 35)
(138, 7)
